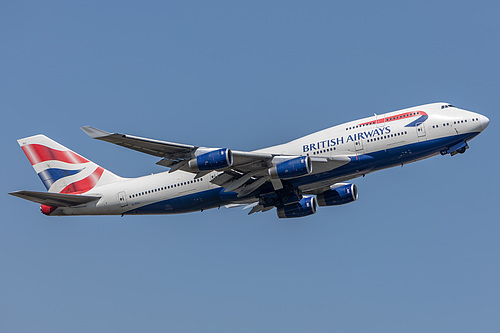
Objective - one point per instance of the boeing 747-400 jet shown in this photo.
(294, 177)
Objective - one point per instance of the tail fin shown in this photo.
(62, 170)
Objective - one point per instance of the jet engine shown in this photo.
(305, 207)
(213, 160)
(338, 195)
(291, 168)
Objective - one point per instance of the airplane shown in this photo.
(294, 177)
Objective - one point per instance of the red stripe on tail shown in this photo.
(86, 184)
(38, 153)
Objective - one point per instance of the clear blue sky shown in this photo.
(419, 251)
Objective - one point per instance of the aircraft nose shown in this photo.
(484, 121)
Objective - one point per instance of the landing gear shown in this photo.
(285, 196)
(458, 148)
(288, 195)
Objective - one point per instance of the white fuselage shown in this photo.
(379, 142)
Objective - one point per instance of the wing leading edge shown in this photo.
(247, 165)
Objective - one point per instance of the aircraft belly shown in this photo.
(187, 203)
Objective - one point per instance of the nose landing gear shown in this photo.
(458, 148)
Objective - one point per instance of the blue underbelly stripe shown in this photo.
(365, 162)
(386, 158)
(188, 203)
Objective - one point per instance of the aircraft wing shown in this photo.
(246, 174)
(55, 199)
(175, 151)
(173, 154)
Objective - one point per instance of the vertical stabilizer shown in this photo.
(62, 170)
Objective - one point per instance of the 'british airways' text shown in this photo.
(346, 139)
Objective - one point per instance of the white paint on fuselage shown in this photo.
(437, 116)
(443, 121)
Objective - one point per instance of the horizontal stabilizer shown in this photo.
(55, 199)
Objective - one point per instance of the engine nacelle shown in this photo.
(338, 196)
(305, 207)
(292, 168)
(213, 160)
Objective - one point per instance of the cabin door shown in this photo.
(122, 199)
(358, 145)
(420, 131)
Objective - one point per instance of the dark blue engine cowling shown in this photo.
(338, 196)
(305, 207)
(216, 159)
(294, 167)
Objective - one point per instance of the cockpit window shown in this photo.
(447, 106)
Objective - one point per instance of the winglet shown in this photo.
(94, 133)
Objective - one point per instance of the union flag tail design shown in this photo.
(62, 170)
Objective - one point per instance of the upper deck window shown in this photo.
(447, 106)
